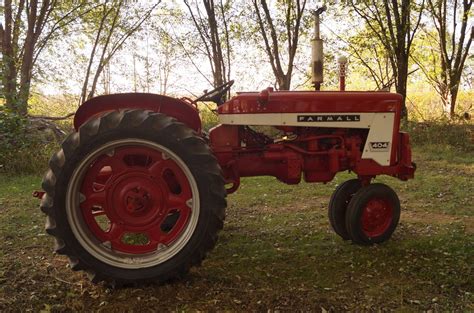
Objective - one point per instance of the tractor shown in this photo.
(137, 193)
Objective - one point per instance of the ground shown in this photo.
(276, 252)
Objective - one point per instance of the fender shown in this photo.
(183, 111)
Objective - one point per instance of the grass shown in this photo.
(276, 252)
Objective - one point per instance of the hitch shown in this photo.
(38, 194)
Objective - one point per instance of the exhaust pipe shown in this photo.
(317, 52)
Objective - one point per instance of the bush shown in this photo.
(209, 119)
(458, 135)
(427, 106)
(23, 149)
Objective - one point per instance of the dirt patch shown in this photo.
(438, 219)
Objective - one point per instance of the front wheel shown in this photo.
(338, 206)
(134, 196)
(373, 214)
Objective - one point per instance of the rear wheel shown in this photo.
(134, 196)
(338, 206)
(373, 214)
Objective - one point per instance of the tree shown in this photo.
(112, 28)
(394, 23)
(166, 62)
(29, 27)
(18, 47)
(18, 57)
(372, 57)
(293, 14)
(454, 45)
(212, 26)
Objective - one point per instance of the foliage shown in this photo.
(209, 118)
(443, 133)
(371, 58)
(12, 127)
(425, 106)
(23, 149)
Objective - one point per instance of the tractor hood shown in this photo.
(269, 101)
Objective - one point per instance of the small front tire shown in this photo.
(373, 214)
(338, 206)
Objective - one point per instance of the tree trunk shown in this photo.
(454, 95)
(209, 31)
(9, 68)
(23, 40)
(85, 84)
(27, 60)
(284, 82)
(19, 61)
(402, 78)
(293, 13)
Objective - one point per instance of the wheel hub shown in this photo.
(376, 217)
(136, 200)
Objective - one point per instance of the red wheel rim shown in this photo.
(136, 190)
(376, 217)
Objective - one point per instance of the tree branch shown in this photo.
(265, 38)
(201, 32)
(273, 36)
(52, 118)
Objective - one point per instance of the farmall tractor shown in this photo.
(138, 192)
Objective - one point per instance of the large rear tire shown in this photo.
(134, 196)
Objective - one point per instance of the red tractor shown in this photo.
(138, 191)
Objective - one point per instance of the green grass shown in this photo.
(276, 252)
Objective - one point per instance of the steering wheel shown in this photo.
(216, 95)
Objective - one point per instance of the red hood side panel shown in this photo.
(311, 101)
